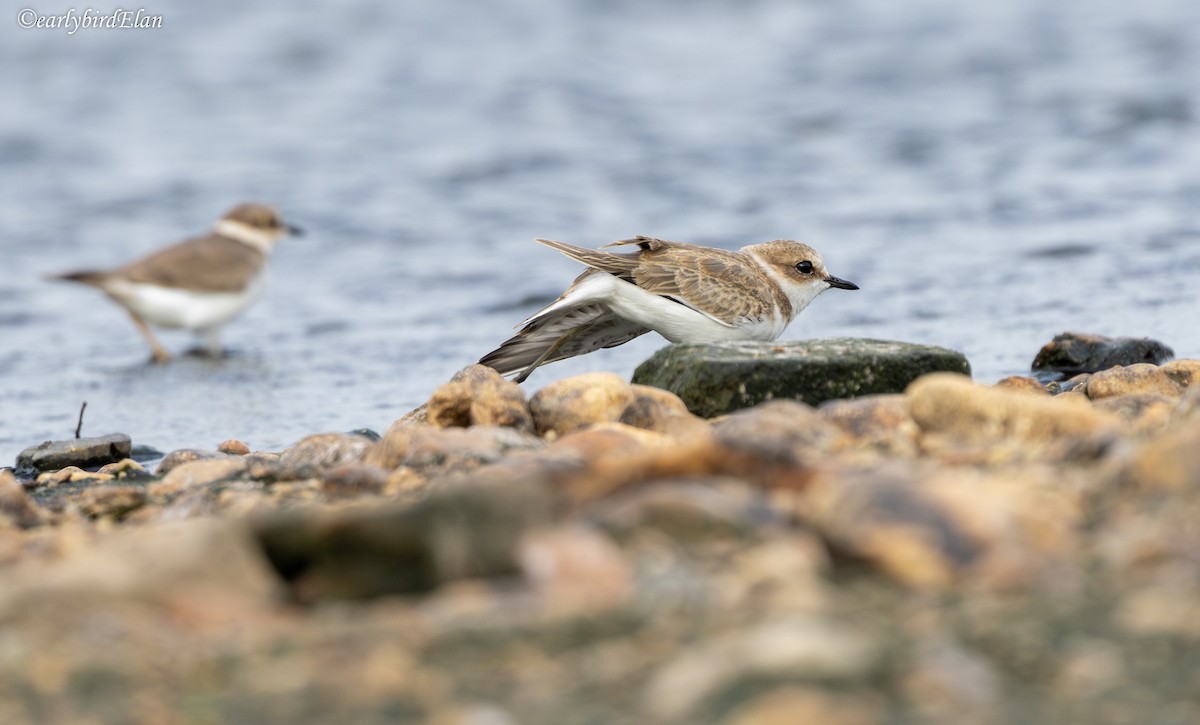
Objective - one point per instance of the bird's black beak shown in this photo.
(295, 231)
(840, 283)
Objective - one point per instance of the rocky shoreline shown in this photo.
(934, 551)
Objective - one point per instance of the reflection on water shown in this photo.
(989, 175)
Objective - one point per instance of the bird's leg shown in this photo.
(544, 356)
(160, 353)
(212, 341)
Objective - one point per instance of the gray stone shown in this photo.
(82, 452)
(716, 379)
(1072, 353)
(462, 530)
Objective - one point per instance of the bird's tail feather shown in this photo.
(560, 335)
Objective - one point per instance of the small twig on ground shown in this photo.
(79, 425)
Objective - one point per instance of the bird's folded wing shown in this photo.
(204, 264)
(716, 283)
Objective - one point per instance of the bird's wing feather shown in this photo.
(204, 264)
(717, 283)
(578, 322)
(724, 286)
(564, 334)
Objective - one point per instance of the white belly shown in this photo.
(188, 309)
(680, 323)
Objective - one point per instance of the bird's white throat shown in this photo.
(260, 239)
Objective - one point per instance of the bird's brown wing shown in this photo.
(724, 285)
(204, 264)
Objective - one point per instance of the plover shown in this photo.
(199, 284)
(684, 292)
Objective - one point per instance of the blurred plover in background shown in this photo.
(683, 292)
(199, 284)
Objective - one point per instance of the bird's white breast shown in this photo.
(679, 323)
(188, 309)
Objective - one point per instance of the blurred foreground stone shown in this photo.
(951, 552)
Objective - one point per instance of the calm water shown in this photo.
(989, 173)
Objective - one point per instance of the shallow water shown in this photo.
(990, 176)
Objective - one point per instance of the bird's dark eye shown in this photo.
(804, 267)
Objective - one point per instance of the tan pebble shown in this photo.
(123, 468)
(1168, 462)
(580, 401)
(575, 568)
(72, 474)
(353, 479)
(952, 405)
(790, 647)
(1145, 412)
(877, 422)
(15, 503)
(233, 447)
(1022, 384)
(478, 395)
(1185, 373)
(1130, 379)
(111, 501)
(194, 474)
(796, 704)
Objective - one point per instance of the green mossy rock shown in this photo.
(717, 379)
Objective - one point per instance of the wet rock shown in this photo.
(879, 423)
(794, 647)
(141, 452)
(174, 459)
(580, 401)
(458, 531)
(316, 453)
(1076, 385)
(115, 502)
(233, 447)
(1130, 380)
(81, 452)
(428, 449)
(1072, 353)
(575, 568)
(717, 379)
(198, 473)
(797, 704)
(16, 505)
(478, 395)
(353, 479)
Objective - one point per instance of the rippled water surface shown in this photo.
(989, 173)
